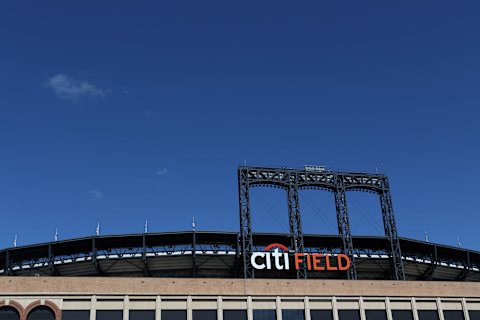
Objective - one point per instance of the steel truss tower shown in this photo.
(294, 219)
(293, 180)
(344, 224)
(391, 229)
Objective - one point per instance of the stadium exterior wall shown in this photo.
(62, 295)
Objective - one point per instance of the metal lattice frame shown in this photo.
(344, 224)
(391, 230)
(293, 180)
(294, 220)
(246, 236)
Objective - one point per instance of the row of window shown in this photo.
(295, 314)
(44, 313)
(39, 313)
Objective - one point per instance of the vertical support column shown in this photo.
(334, 308)
(189, 308)
(391, 230)
(144, 256)
(219, 308)
(414, 309)
(362, 309)
(465, 309)
(428, 275)
(158, 308)
(51, 265)
(93, 308)
(8, 264)
(295, 221)
(194, 254)
(278, 308)
(344, 224)
(440, 309)
(388, 306)
(307, 308)
(249, 308)
(126, 308)
(94, 257)
(245, 222)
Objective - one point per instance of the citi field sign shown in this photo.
(272, 258)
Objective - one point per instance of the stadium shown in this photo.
(197, 275)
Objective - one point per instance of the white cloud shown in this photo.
(162, 172)
(69, 88)
(96, 194)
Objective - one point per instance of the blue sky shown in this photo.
(118, 112)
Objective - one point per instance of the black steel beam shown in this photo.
(390, 228)
(467, 267)
(146, 271)
(312, 179)
(428, 274)
(246, 235)
(344, 224)
(194, 254)
(295, 221)
(8, 264)
(96, 265)
(463, 274)
(51, 260)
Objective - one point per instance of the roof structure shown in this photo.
(232, 255)
(218, 255)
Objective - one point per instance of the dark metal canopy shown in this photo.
(218, 254)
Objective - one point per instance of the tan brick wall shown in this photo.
(37, 286)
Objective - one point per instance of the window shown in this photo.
(321, 315)
(9, 313)
(261, 314)
(109, 315)
(453, 315)
(204, 315)
(41, 313)
(402, 315)
(474, 314)
(75, 315)
(376, 314)
(142, 315)
(427, 315)
(174, 315)
(348, 315)
(234, 314)
(293, 314)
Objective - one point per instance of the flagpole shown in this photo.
(194, 249)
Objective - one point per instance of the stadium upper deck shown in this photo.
(218, 254)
